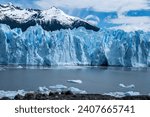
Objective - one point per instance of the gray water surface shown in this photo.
(95, 79)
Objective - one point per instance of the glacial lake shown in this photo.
(94, 79)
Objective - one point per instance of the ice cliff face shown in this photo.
(36, 46)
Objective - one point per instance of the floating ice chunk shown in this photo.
(21, 92)
(75, 67)
(127, 86)
(2, 69)
(75, 81)
(131, 93)
(69, 67)
(58, 87)
(43, 89)
(122, 94)
(138, 65)
(59, 90)
(76, 90)
(115, 94)
(19, 67)
(11, 94)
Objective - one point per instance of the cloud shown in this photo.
(92, 19)
(131, 20)
(129, 24)
(130, 28)
(119, 6)
(97, 5)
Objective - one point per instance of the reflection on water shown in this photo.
(94, 79)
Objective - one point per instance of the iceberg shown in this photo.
(19, 67)
(76, 90)
(2, 69)
(11, 94)
(75, 81)
(122, 94)
(127, 86)
(58, 87)
(76, 47)
(43, 89)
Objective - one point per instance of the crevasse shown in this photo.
(79, 46)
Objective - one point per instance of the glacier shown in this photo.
(36, 46)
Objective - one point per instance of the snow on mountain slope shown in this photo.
(54, 13)
(16, 13)
(50, 19)
(36, 46)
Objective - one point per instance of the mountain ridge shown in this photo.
(51, 19)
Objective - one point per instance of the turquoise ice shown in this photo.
(79, 46)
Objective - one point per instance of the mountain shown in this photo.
(51, 19)
(36, 46)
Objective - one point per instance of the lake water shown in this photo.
(95, 79)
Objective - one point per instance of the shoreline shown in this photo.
(68, 95)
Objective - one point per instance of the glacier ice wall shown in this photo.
(79, 46)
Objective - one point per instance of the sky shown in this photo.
(128, 15)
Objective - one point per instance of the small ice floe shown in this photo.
(139, 65)
(131, 93)
(72, 67)
(122, 94)
(19, 67)
(11, 94)
(75, 81)
(43, 90)
(76, 90)
(2, 69)
(127, 86)
(64, 66)
(58, 87)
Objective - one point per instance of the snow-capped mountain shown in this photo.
(50, 19)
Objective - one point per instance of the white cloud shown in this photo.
(131, 20)
(132, 23)
(92, 19)
(130, 28)
(98, 5)
(120, 6)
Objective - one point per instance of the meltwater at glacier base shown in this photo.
(80, 46)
